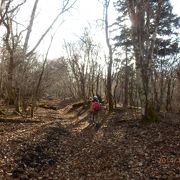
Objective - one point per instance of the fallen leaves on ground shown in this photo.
(122, 147)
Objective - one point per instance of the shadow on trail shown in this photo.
(40, 153)
(17, 121)
(53, 145)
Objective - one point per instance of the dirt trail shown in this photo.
(64, 146)
(31, 150)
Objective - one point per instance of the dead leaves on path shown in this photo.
(122, 148)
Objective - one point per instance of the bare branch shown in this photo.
(30, 25)
(64, 9)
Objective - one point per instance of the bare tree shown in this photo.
(83, 64)
(67, 5)
(110, 53)
(12, 42)
(7, 9)
(36, 91)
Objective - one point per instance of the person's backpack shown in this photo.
(96, 106)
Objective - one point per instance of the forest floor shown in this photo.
(64, 144)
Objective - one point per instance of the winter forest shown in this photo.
(99, 110)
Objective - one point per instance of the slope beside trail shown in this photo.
(65, 145)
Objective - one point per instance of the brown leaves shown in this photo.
(121, 148)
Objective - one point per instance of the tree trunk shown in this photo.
(109, 71)
(140, 15)
(168, 96)
(10, 88)
(126, 83)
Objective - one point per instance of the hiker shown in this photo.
(99, 98)
(94, 109)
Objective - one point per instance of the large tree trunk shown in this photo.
(109, 71)
(10, 88)
(109, 87)
(9, 41)
(140, 15)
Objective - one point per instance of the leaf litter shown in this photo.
(67, 147)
